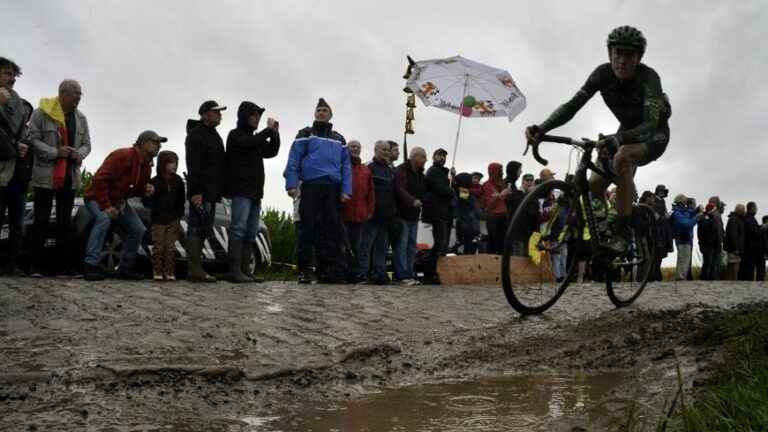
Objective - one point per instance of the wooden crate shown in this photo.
(484, 269)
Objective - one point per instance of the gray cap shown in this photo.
(149, 135)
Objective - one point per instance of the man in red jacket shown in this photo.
(124, 174)
(359, 208)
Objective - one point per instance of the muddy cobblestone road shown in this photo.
(143, 356)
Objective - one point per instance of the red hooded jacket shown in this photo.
(122, 175)
(363, 202)
(495, 205)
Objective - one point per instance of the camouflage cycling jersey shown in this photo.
(640, 106)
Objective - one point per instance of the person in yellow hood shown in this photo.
(61, 141)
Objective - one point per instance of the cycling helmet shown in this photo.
(627, 36)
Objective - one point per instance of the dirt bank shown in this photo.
(142, 356)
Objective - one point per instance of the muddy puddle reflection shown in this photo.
(503, 404)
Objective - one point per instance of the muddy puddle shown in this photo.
(510, 403)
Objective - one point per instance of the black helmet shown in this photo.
(627, 36)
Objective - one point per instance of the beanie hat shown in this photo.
(323, 103)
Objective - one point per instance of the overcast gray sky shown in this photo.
(149, 65)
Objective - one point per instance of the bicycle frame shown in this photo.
(581, 182)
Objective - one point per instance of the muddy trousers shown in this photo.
(164, 248)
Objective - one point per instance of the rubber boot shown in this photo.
(194, 254)
(235, 258)
(248, 253)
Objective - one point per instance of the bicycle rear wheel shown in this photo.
(546, 223)
(627, 276)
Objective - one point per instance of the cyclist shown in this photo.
(632, 91)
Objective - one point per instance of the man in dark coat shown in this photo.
(206, 174)
(375, 238)
(734, 241)
(710, 243)
(410, 192)
(750, 269)
(438, 209)
(16, 164)
(514, 199)
(665, 241)
(319, 163)
(246, 152)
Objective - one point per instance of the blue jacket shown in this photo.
(683, 220)
(319, 154)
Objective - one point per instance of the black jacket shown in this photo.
(410, 187)
(707, 232)
(734, 235)
(665, 240)
(206, 161)
(513, 200)
(245, 159)
(438, 196)
(167, 203)
(384, 187)
(753, 236)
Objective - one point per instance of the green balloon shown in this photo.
(470, 101)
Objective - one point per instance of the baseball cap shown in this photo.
(440, 150)
(150, 135)
(546, 172)
(528, 177)
(210, 106)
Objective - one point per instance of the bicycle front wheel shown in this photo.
(545, 229)
(626, 276)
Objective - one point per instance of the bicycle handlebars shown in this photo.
(583, 143)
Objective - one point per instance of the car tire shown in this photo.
(110, 254)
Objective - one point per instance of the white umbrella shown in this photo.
(466, 88)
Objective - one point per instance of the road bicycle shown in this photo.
(558, 219)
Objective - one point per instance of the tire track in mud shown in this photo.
(141, 344)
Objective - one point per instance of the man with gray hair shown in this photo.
(61, 141)
(375, 237)
(409, 178)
